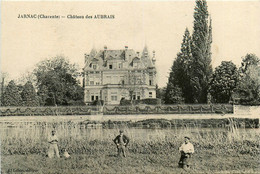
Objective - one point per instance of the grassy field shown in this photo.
(150, 151)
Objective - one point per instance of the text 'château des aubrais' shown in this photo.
(69, 16)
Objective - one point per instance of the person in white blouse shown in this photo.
(186, 149)
(53, 148)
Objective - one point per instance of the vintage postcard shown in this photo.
(130, 86)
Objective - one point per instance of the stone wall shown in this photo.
(253, 111)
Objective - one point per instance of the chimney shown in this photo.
(137, 53)
(86, 57)
(105, 47)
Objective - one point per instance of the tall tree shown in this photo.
(27, 76)
(201, 52)
(224, 81)
(179, 79)
(57, 81)
(43, 95)
(11, 96)
(182, 68)
(173, 93)
(29, 95)
(248, 88)
(3, 79)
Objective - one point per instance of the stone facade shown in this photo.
(111, 75)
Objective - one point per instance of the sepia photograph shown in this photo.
(123, 87)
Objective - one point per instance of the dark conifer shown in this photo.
(201, 52)
(11, 96)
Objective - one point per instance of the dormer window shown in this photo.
(120, 65)
(94, 66)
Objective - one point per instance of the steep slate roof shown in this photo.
(93, 52)
(146, 59)
(115, 54)
(128, 55)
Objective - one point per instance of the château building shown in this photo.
(111, 75)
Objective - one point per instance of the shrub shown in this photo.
(151, 101)
(148, 101)
(76, 103)
(125, 102)
(98, 103)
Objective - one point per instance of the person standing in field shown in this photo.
(121, 142)
(186, 149)
(53, 148)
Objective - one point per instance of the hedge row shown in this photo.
(113, 110)
(42, 111)
(168, 109)
(147, 101)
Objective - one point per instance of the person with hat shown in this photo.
(121, 142)
(186, 149)
(53, 148)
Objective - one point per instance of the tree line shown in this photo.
(192, 79)
(53, 82)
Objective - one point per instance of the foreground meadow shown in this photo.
(150, 150)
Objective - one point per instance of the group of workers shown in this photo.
(121, 141)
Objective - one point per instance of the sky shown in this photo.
(159, 25)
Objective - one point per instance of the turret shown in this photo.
(153, 59)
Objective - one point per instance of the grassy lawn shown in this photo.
(107, 162)
(23, 150)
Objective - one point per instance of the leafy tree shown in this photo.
(173, 93)
(160, 93)
(249, 84)
(25, 77)
(224, 81)
(42, 95)
(57, 82)
(11, 96)
(201, 52)
(248, 62)
(29, 95)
